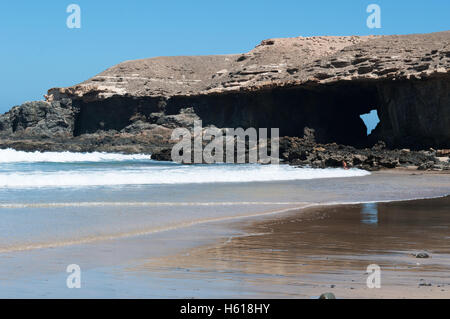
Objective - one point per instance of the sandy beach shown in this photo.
(277, 239)
(327, 249)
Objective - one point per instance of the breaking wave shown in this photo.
(172, 175)
(13, 156)
(139, 170)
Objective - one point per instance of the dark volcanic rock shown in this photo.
(39, 119)
(303, 152)
(415, 113)
(163, 154)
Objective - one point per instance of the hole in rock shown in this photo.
(371, 120)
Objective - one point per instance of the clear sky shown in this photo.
(38, 51)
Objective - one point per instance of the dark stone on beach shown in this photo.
(304, 152)
(422, 255)
(426, 166)
(162, 154)
(424, 283)
(327, 295)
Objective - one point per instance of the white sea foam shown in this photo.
(13, 156)
(141, 172)
(170, 175)
(144, 204)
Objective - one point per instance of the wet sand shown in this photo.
(324, 249)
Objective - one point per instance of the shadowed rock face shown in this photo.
(290, 109)
(414, 113)
(324, 83)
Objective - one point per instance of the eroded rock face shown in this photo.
(322, 83)
(415, 113)
(39, 119)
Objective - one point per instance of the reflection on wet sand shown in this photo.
(327, 249)
(369, 213)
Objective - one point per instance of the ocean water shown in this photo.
(32, 170)
(59, 199)
(107, 211)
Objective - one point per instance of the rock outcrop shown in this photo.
(323, 83)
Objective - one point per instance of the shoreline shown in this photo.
(303, 205)
(102, 260)
(225, 219)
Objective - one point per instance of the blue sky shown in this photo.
(38, 51)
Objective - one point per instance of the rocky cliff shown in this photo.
(323, 83)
